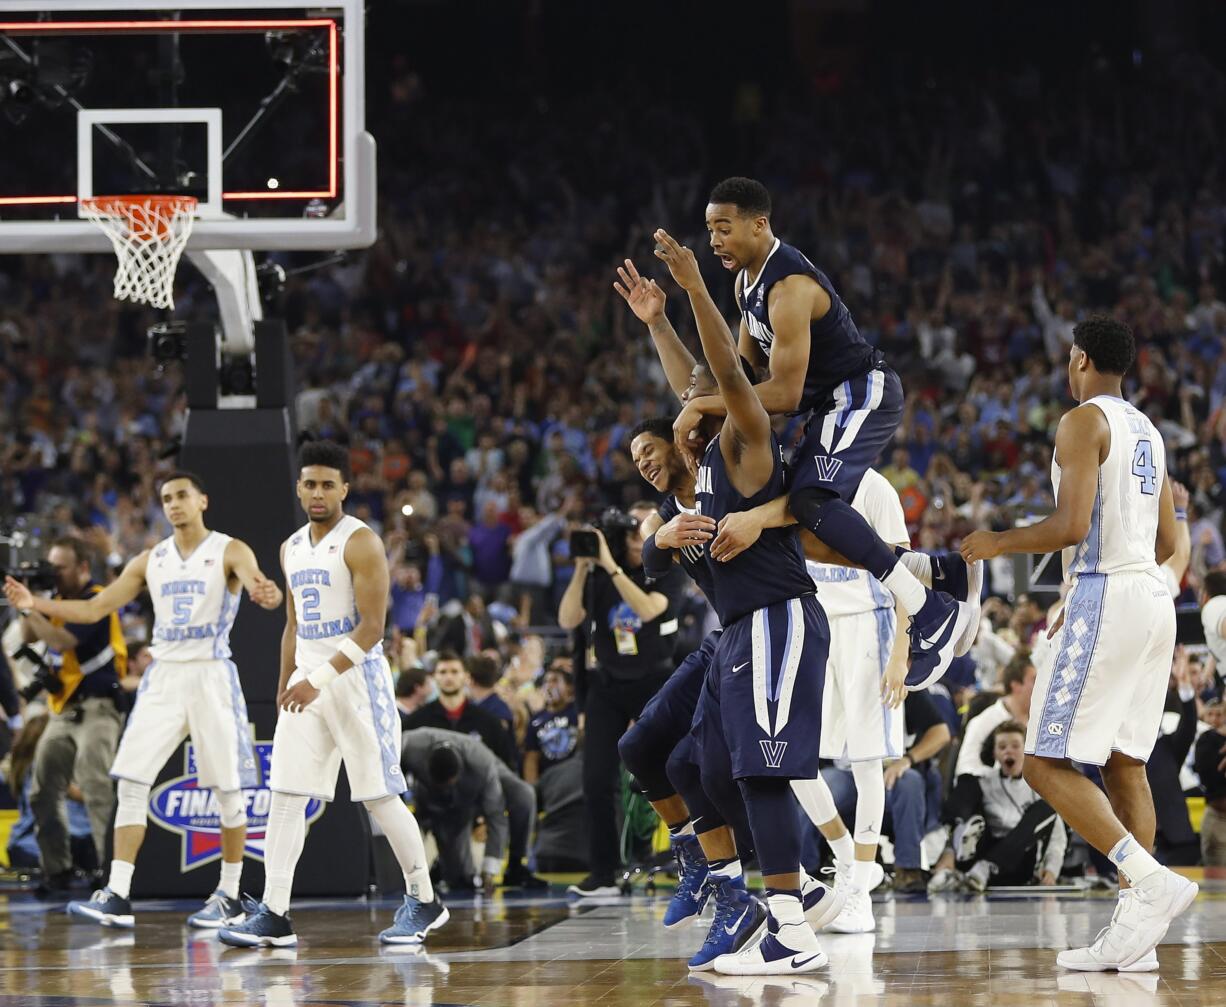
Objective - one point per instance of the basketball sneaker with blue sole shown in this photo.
(692, 888)
(414, 919)
(785, 949)
(738, 917)
(104, 907)
(262, 928)
(935, 631)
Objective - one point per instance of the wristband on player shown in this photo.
(656, 561)
(1181, 514)
(352, 651)
(322, 675)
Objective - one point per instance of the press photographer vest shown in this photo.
(73, 665)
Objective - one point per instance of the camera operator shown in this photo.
(632, 641)
(81, 679)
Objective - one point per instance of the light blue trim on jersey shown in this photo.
(766, 656)
(885, 641)
(225, 622)
(383, 708)
(248, 770)
(1082, 622)
(880, 594)
(1087, 562)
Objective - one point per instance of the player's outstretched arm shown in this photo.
(241, 563)
(113, 597)
(748, 450)
(646, 300)
(1080, 439)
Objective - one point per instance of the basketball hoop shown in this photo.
(148, 234)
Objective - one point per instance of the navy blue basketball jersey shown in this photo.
(693, 558)
(837, 351)
(773, 568)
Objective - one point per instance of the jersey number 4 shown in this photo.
(1143, 467)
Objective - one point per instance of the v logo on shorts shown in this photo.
(827, 468)
(772, 752)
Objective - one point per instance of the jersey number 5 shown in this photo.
(182, 610)
(310, 604)
(1143, 467)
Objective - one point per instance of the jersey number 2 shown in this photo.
(1144, 469)
(310, 604)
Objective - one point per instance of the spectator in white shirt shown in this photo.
(1018, 683)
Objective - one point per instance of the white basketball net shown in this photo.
(148, 234)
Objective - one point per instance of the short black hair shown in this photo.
(191, 477)
(657, 426)
(1107, 342)
(483, 670)
(444, 765)
(747, 194)
(1215, 583)
(410, 680)
(329, 454)
(447, 655)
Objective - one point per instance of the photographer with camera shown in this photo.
(80, 676)
(632, 637)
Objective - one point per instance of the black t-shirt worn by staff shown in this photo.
(626, 647)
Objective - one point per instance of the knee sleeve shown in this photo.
(686, 779)
(815, 797)
(233, 807)
(132, 807)
(641, 755)
(845, 530)
(870, 801)
(774, 822)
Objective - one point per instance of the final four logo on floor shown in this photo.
(182, 807)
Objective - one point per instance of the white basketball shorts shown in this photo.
(200, 698)
(1105, 688)
(856, 725)
(354, 719)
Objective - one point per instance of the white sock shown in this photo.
(284, 836)
(404, 836)
(905, 587)
(919, 564)
(120, 881)
(861, 872)
(732, 869)
(844, 848)
(1133, 860)
(230, 874)
(786, 908)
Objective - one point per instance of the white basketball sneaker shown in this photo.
(1159, 899)
(1107, 953)
(823, 903)
(857, 914)
(785, 949)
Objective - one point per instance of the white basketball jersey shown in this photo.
(193, 609)
(843, 590)
(322, 587)
(1124, 523)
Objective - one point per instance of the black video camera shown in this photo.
(37, 574)
(613, 524)
(45, 677)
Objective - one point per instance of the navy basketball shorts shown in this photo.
(763, 702)
(668, 716)
(846, 434)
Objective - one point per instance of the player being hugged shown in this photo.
(191, 689)
(336, 703)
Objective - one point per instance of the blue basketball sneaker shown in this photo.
(104, 907)
(219, 910)
(414, 919)
(935, 631)
(785, 949)
(964, 582)
(738, 916)
(261, 929)
(692, 888)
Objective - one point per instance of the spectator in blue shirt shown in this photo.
(553, 734)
